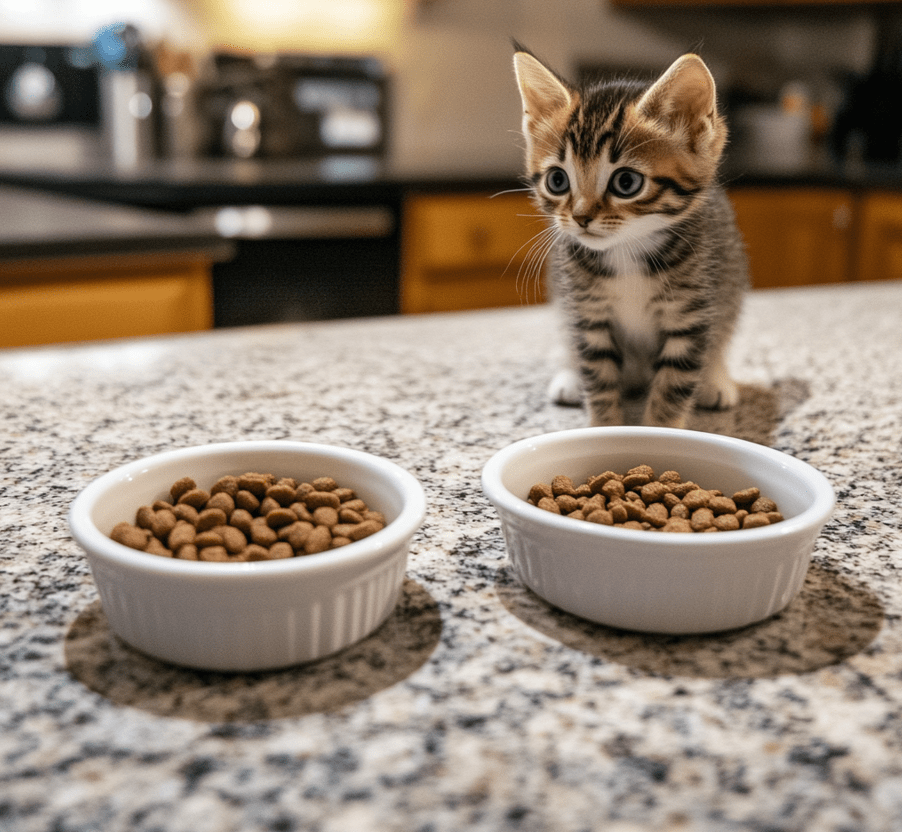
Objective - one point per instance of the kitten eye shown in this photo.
(626, 183)
(557, 181)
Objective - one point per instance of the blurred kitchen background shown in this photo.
(169, 165)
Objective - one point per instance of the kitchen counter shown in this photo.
(476, 706)
(39, 225)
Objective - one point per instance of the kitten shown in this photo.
(648, 268)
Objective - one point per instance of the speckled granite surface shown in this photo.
(476, 706)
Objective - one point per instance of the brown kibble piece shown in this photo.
(255, 552)
(163, 522)
(156, 547)
(726, 522)
(196, 498)
(262, 534)
(129, 535)
(279, 517)
(325, 516)
(670, 478)
(702, 518)
(657, 514)
(653, 492)
(315, 499)
(247, 500)
(282, 493)
(225, 485)
(182, 534)
(697, 498)
(549, 504)
(746, 497)
(318, 540)
(756, 520)
(241, 519)
(208, 538)
(210, 518)
(601, 516)
(233, 539)
(217, 554)
(345, 494)
(762, 504)
(183, 511)
(613, 489)
(180, 487)
(280, 551)
(562, 484)
(324, 484)
(144, 517)
(187, 552)
(618, 512)
(638, 476)
(255, 483)
(722, 505)
(567, 503)
(222, 500)
(347, 515)
(338, 542)
(677, 524)
(364, 529)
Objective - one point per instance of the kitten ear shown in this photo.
(543, 93)
(684, 96)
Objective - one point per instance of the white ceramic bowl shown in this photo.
(665, 582)
(248, 616)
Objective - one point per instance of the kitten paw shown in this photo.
(565, 388)
(721, 393)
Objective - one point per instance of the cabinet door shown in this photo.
(78, 299)
(796, 236)
(470, 251)
(880, 237)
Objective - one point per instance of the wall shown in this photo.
(455, 100)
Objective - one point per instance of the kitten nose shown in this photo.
(582, 220)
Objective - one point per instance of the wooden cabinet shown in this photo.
(85, 298)
(879, 255)
(796, 236)
(469, 251)
(801, 236)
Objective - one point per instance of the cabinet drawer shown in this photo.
(459, 232)
(43, 303)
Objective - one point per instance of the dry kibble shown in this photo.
(567, 503)
(222, 500)
(315, 499)
(318, 540)
(180, 487)
(253, 517)
(279, 517)
(129, 535)
(247, 500)
(325, 516)
(209, 518)
(639, 499)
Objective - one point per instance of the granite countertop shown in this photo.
(39, 225)
(476, 706)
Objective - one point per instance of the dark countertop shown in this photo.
(43, 225)
(188, 184)
(182, 185)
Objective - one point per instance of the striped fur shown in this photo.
(648, 269)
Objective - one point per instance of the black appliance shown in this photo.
(292, 106)
(48, 86)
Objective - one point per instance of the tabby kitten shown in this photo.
(647, 268)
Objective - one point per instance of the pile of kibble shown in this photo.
(639, 499)
(250, 517)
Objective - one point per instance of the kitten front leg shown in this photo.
(600, 371)
(675, 385)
